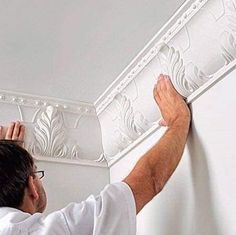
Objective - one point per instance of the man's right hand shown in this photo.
(173, 108)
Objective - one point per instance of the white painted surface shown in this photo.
(74, 49)
(65, 183)
(200, 197)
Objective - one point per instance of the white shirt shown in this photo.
(113, 212)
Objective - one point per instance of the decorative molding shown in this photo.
(21, 99)
(228, 41)
(131, 125)
(135, 69)
(228, 47)
(231, 8)
(173, 65)
(195, 55)
(155, 127)
(54, 133)
(50, 136)
(191, 69)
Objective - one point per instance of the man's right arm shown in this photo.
(154, 169)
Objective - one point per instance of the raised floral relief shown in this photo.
(131, 124)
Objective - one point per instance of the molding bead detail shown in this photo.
(17, 98)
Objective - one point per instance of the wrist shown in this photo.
(182, 122)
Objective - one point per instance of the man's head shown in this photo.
(19, 185)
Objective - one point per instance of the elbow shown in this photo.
(159, 186)
(158, 189)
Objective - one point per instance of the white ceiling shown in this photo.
(74, 49)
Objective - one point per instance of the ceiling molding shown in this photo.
(128, 113)
(56, 130)
(147, 55)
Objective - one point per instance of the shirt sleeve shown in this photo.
(112, 212)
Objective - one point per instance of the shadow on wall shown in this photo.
(204, 219)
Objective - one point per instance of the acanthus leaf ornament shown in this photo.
(50, 134)
(228, 41)
(231, 14)
(130, 125)
(102, 158)
(173, 64)
(196, 78)
(228, 47)
(75, 152)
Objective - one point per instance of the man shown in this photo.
(113, 212)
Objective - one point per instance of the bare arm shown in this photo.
(154, 169)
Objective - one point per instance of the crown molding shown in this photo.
(126, 114)
(56, 130)
(148, 53)
(127, 111)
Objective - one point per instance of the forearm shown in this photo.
(154, 169)
(163, 158)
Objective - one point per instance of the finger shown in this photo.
(170, 85)
(22, 133)
(1, 132)
(159, 76)
(161, 82)
(16, 131)
(162, 122)
(10, 131)
(155, 95)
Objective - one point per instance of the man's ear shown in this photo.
(32, 188)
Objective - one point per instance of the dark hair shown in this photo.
(16, 165)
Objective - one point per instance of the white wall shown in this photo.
(65, 183)
(200, 197)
